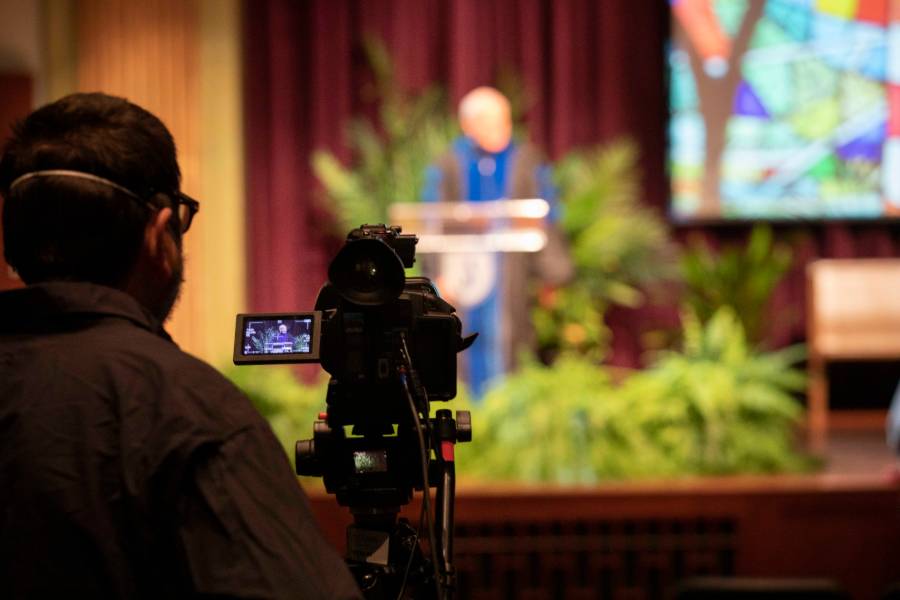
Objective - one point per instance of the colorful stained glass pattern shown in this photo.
(785, 109)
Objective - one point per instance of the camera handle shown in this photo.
(447, 433)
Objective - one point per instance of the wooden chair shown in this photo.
(853, 313)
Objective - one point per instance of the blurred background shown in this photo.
(707, 396)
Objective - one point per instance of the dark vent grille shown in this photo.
(629, 559)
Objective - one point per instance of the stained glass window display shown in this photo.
(783, 109)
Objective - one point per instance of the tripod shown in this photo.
(383, 553)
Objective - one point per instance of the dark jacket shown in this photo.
(129, 469)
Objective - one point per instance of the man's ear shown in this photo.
(158, 238)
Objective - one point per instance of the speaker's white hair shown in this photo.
(479, 100)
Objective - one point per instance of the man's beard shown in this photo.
(172, 291)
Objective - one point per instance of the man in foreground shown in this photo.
(128, 469)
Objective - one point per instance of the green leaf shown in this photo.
(718, 406)
(389, 154)
(741, 278)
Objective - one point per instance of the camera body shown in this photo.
(366, 318)
(389, 343)
(362, 349)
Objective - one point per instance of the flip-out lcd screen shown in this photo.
(277, 338)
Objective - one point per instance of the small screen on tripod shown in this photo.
(277, 338)
(370, 461)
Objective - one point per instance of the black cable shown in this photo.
(426, 496)
(412, 554)
(412, 551)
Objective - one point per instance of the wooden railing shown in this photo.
(637, 541)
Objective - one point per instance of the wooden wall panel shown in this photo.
(147, 52)
(180, 59)
(222, 275)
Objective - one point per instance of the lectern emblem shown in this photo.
(468, 278)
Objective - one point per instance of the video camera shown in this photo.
(389, 343)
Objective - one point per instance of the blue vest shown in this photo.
(484, 176)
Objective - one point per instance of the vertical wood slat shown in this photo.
(148, 52)
(222, 184)
(60, 50)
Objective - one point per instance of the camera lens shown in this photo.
(367, 272)
(366, 276)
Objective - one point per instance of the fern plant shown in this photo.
(536, 425)
(717, 406)
(740, 277)
(390, 155)
(618, 246)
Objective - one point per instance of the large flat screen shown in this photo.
(784, 109)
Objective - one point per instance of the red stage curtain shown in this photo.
(595, 69)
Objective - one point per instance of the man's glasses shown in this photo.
(183, 205)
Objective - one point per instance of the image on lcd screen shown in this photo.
(784, 109)
(277, 336)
